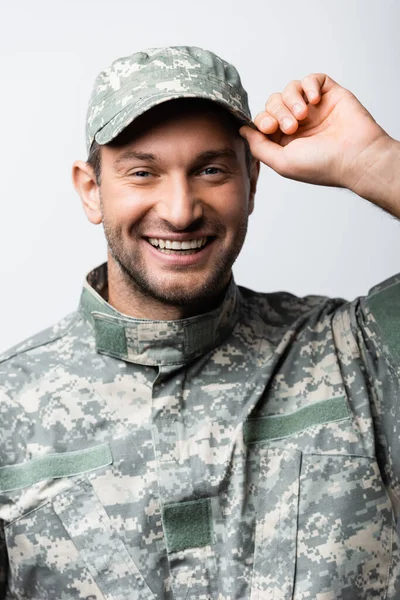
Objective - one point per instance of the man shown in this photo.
(178, 436)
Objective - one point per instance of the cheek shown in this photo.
(123, 206)
(232, 205)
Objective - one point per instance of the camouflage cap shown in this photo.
(134, 84)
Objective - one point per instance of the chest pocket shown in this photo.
(67, 547)
(324, 523)
(323, 527)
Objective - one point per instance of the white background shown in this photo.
(302, 238)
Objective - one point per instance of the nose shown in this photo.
(178, 204)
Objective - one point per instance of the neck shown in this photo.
(127, 299)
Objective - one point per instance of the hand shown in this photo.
(324, 142)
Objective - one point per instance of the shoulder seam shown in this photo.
(344, 318)
(74, 321)
(384, 285)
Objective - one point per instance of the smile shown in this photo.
(176, 247)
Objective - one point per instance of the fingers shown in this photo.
(285, 110)
(262, 148)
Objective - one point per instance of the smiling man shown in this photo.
(181, 437)
(177, 187)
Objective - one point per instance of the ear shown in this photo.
(84, 180)
(255, 171)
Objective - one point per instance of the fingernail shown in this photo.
(297, 109)
(286, 123)
(267, 122)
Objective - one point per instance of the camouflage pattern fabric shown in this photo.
(134, 84)
(249, 453)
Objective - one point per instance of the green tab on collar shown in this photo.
(281, 426)
(187, 524)
(54, 466)
(110, 336)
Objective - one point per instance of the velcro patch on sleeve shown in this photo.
(385, 307)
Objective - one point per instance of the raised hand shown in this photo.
(315, 131)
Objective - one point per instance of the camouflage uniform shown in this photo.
(251, 453)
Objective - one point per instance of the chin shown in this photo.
(179, 296)
(188, 294)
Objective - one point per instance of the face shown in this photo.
(175, 202)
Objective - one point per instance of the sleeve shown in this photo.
(375, 323)
(3, 563)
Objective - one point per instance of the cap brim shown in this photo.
(135, 109)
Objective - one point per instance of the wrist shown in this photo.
(376, 174)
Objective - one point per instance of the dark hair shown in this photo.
(94, 158)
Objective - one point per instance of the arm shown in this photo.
(3, 563)
(334, 141)
(330, 140)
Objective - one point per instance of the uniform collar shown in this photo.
(155, 343)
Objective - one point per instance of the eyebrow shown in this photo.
(147, 156)
(218, 153)
(130, 154)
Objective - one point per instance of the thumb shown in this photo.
(262, 147)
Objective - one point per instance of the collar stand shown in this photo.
(154, 343)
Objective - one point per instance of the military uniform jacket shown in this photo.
(250, 453)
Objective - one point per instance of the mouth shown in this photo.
(180, 248)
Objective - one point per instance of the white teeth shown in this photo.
(175, 245)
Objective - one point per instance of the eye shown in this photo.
(212, 171)
(143, 174)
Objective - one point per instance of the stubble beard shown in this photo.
(208, 287)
